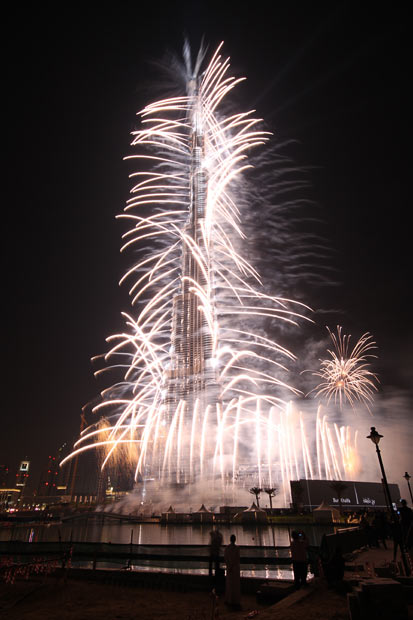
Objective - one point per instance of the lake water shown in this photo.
(171, 534)
(157, 534)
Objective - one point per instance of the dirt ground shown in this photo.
(46, 599)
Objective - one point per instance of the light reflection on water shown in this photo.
(171, 534)
(156, 534)
(261, 572)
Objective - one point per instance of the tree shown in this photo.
(256, 491)
(271, 492)
(339, 488)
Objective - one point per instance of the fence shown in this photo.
(142, 554)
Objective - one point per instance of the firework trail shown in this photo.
(346, 376)
(201, 392)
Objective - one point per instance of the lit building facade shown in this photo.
(22, 475)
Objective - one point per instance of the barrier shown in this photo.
(138, 553)
(347, 540)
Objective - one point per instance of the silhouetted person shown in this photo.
(406, 520)
(368, 531)
(233, 580)
(214, 550)
(298, 548)
(397, 536)
(381, 528)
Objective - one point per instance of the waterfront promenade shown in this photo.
(53, 596)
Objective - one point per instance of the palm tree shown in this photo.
(339, 488)
(271, 492)
(256, 491)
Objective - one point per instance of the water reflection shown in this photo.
(262, 572)
(156, 534)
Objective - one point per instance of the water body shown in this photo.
(157, 534)
(260, 540)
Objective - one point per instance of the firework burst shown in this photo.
(202, 394)
(345, 375)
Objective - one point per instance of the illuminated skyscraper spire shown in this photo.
(192, 372)
(201, 394)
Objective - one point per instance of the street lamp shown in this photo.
(375, 438)
(407, 478)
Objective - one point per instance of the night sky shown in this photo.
(330, 76)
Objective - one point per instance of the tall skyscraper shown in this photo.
(192, 378)
(49, 478)
(22, 475)
(4, 476)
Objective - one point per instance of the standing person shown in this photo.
(381, 527)
(397, 535)
(233, 579)
(299, 544)
(367, 529)
(214, 551)
(406, 520)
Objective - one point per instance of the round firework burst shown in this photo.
(345, 375)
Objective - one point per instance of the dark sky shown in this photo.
(332, 76)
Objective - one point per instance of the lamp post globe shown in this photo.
(407, 478)
(374, 436)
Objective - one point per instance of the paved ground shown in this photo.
(46, 599)
(381, 558)
(86, 601)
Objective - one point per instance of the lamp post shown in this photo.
(375, 438)
(407, 478)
